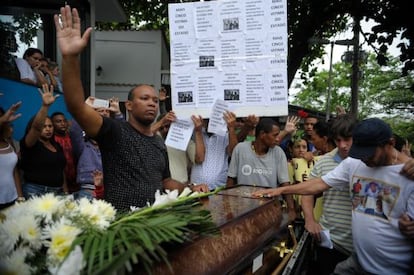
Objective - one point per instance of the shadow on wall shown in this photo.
(14, 91)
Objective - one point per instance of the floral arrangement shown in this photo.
(58, 235)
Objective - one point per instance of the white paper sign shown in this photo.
(179, 134)
(235, 50)
(217, 124)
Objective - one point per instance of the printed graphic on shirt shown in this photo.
(373, 197)
(248, 170)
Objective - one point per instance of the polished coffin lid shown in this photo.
(245, 223)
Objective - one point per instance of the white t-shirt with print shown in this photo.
(380, 246)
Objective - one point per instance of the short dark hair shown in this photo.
(56, 114)
(343, 126)
(31, 51)
(323, 129)
(131, 92)
(266, 125)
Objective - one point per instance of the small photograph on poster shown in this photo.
(206, 61)
(231, 94)
(185, 97)
(230, 24)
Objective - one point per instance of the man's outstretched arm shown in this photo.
(71, 44)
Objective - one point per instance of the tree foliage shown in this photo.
(382, 89)
(306, 19)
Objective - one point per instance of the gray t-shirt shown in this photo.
(268, 170)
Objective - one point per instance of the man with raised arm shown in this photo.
(135, 161)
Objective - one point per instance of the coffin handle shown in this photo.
(284, 251)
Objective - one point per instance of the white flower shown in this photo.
(31, 231)
(194, 194)
(14, 263)
(106, 210)
(134, 208)
(59, 238)
(9, 235)
(73, 264)
(187, 191)
(98, 213)
(163, 199)
(45, 206)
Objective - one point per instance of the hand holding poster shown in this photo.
(217, 124)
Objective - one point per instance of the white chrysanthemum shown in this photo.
(68, 207)
(31, 231)
(98, 213)
(107, 211)
(59, 238)
(73, 264)
(14, 263)
(9, 235)
(46, 206)
(16, 210)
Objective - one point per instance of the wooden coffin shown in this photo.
(249, 229)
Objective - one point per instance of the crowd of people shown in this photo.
(362, 180)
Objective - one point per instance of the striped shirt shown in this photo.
(337, 206)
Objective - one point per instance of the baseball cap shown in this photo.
(367, 136)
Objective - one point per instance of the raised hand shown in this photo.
(10, 115)
(163, 94)
(290, 126)
(168, 118)
(68, 32)
(251, 121)
(198, 122)
(114, 105)
(230, 119)
(47, 95)
(90, 100)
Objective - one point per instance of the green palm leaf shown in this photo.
(138, 237)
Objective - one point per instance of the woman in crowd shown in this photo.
(29, 67)
(10, 185)
(43, 161)
(300, 162)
